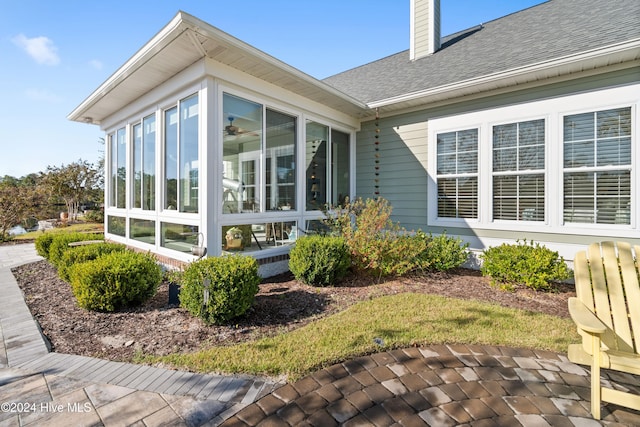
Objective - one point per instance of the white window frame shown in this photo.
(519, 173)
(457, 174)
(553, 110)
(595, 169)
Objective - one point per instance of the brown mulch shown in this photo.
(282, 304)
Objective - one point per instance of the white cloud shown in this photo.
(43, 95)
(41, 49)
(96, 64)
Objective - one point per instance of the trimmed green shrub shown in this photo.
(529, 264)
(115, 280)
(43, 243)
(319, 260)
(442, 252)
(83, 254)
(233, 285)
(60, 244)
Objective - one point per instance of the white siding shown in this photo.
(425, 28)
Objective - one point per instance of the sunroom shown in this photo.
(214, 147)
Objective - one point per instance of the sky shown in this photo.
(54, 54)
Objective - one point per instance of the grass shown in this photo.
(381, 324)
(85, 227)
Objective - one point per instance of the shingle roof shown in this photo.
(551, 30)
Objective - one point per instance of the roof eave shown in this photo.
(184, 22)
(172, 30)
(626, 52)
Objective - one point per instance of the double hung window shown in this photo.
(597, 167)
(457, 174)
(518, 171)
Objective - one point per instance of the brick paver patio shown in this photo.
(442, 386)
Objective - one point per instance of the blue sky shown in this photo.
(55, 53)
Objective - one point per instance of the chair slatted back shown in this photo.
(607, 283)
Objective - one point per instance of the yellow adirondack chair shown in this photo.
(607, 313)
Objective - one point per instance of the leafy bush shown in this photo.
(530, 264)
(43, 243)
(233, 285)
(94, 216)
(319, 260)
(442, 252)
(84, 254)
(115, 280)
(60, 244)
(377, 244)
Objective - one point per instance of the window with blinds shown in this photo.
(597, 167)
(518, 171)
(457, 174)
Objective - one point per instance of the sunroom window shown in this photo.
(144, 163)
(326, 183)
(181, 134)
(457, 174)
(340, 170)
(316, 150)
(518, 171)
(280, 161)
(259, 166)
(118, 170)
(597, 167)
(241, 152)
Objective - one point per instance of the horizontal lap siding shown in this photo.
(402, 166)
(404, 154)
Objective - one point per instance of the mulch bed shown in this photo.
(282, 304)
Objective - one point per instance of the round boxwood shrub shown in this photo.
(525, 263)
(60, 244)
(233, 284)
(115, 280)
(86, 253)
(43, 243)
(320, 260)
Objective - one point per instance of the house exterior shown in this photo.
(522, 127)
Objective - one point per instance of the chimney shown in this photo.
(425, 28)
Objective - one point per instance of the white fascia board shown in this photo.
(574, 63)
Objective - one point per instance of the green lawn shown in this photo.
(395, 321)
(88, 227)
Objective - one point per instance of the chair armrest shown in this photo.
(585, 318)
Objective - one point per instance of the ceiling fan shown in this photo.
(231, 129)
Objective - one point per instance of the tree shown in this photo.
(19, 199)
(74, 184)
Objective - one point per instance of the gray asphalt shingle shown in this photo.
(551, 30)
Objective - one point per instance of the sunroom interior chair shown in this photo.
(607, 313)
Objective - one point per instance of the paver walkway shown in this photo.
(436, 385)
(39, 388)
